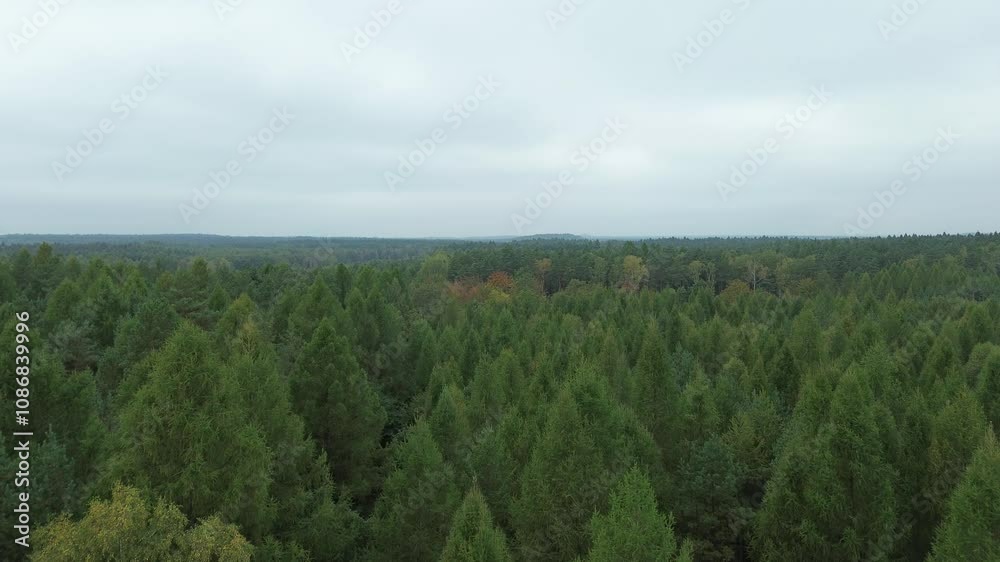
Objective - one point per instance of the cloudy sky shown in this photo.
(476, 117)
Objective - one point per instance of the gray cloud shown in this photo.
(325, 173)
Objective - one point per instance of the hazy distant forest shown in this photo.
(548, 399)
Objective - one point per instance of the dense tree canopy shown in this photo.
(543, 399)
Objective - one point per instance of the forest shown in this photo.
(563, 399)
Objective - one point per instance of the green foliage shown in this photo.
(413, 514)
(656, 396)
(633, 529)
(340, 407)
(187, 436)
(473, 538)
(707, 501)
(784, 398)
(969, 532)
(831, 496)
(588, 442)
(129, 528)
(988, 386)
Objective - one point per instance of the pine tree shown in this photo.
(8, 288)
(108, 308)
(700, 415)
(67, 404)
(414, 511)
(707, 501)
(450, 426)
(342, 283)
(970, 530)
(831, 496)
(135, 338)
(588, 442)
(63, 304)
(955, 433)
(302, 489)
(44, 271)
(988, 387)
(657, 396)
(753, 437)
(950, 438)
(341, 408)
(633, 529)
(473, 538)
(496, 386)
(317, 304)
(187, 436)
(442, 375)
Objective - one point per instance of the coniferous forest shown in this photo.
(539, 399)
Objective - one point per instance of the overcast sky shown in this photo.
(203, 81)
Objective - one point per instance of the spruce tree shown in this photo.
(970, 530)
(831, 496)
(450, 425)
(633, 529)
(706, 501)
(187, 436)
(473, 538)
(988, 387)
(588, 442)
(341, 408)
(414, 511)
(656, 396)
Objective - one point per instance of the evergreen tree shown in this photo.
(64, 304)
(500, 452)
(316, 305)
(473, 538)
(135, 338)
(988, 387)
(969, 532)
(657, 396)
(588, 442)
(341, 408)
(413, 513)
(633, 529)
(187, 436)
(450, 425)
(707, 501)
(831, 496)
